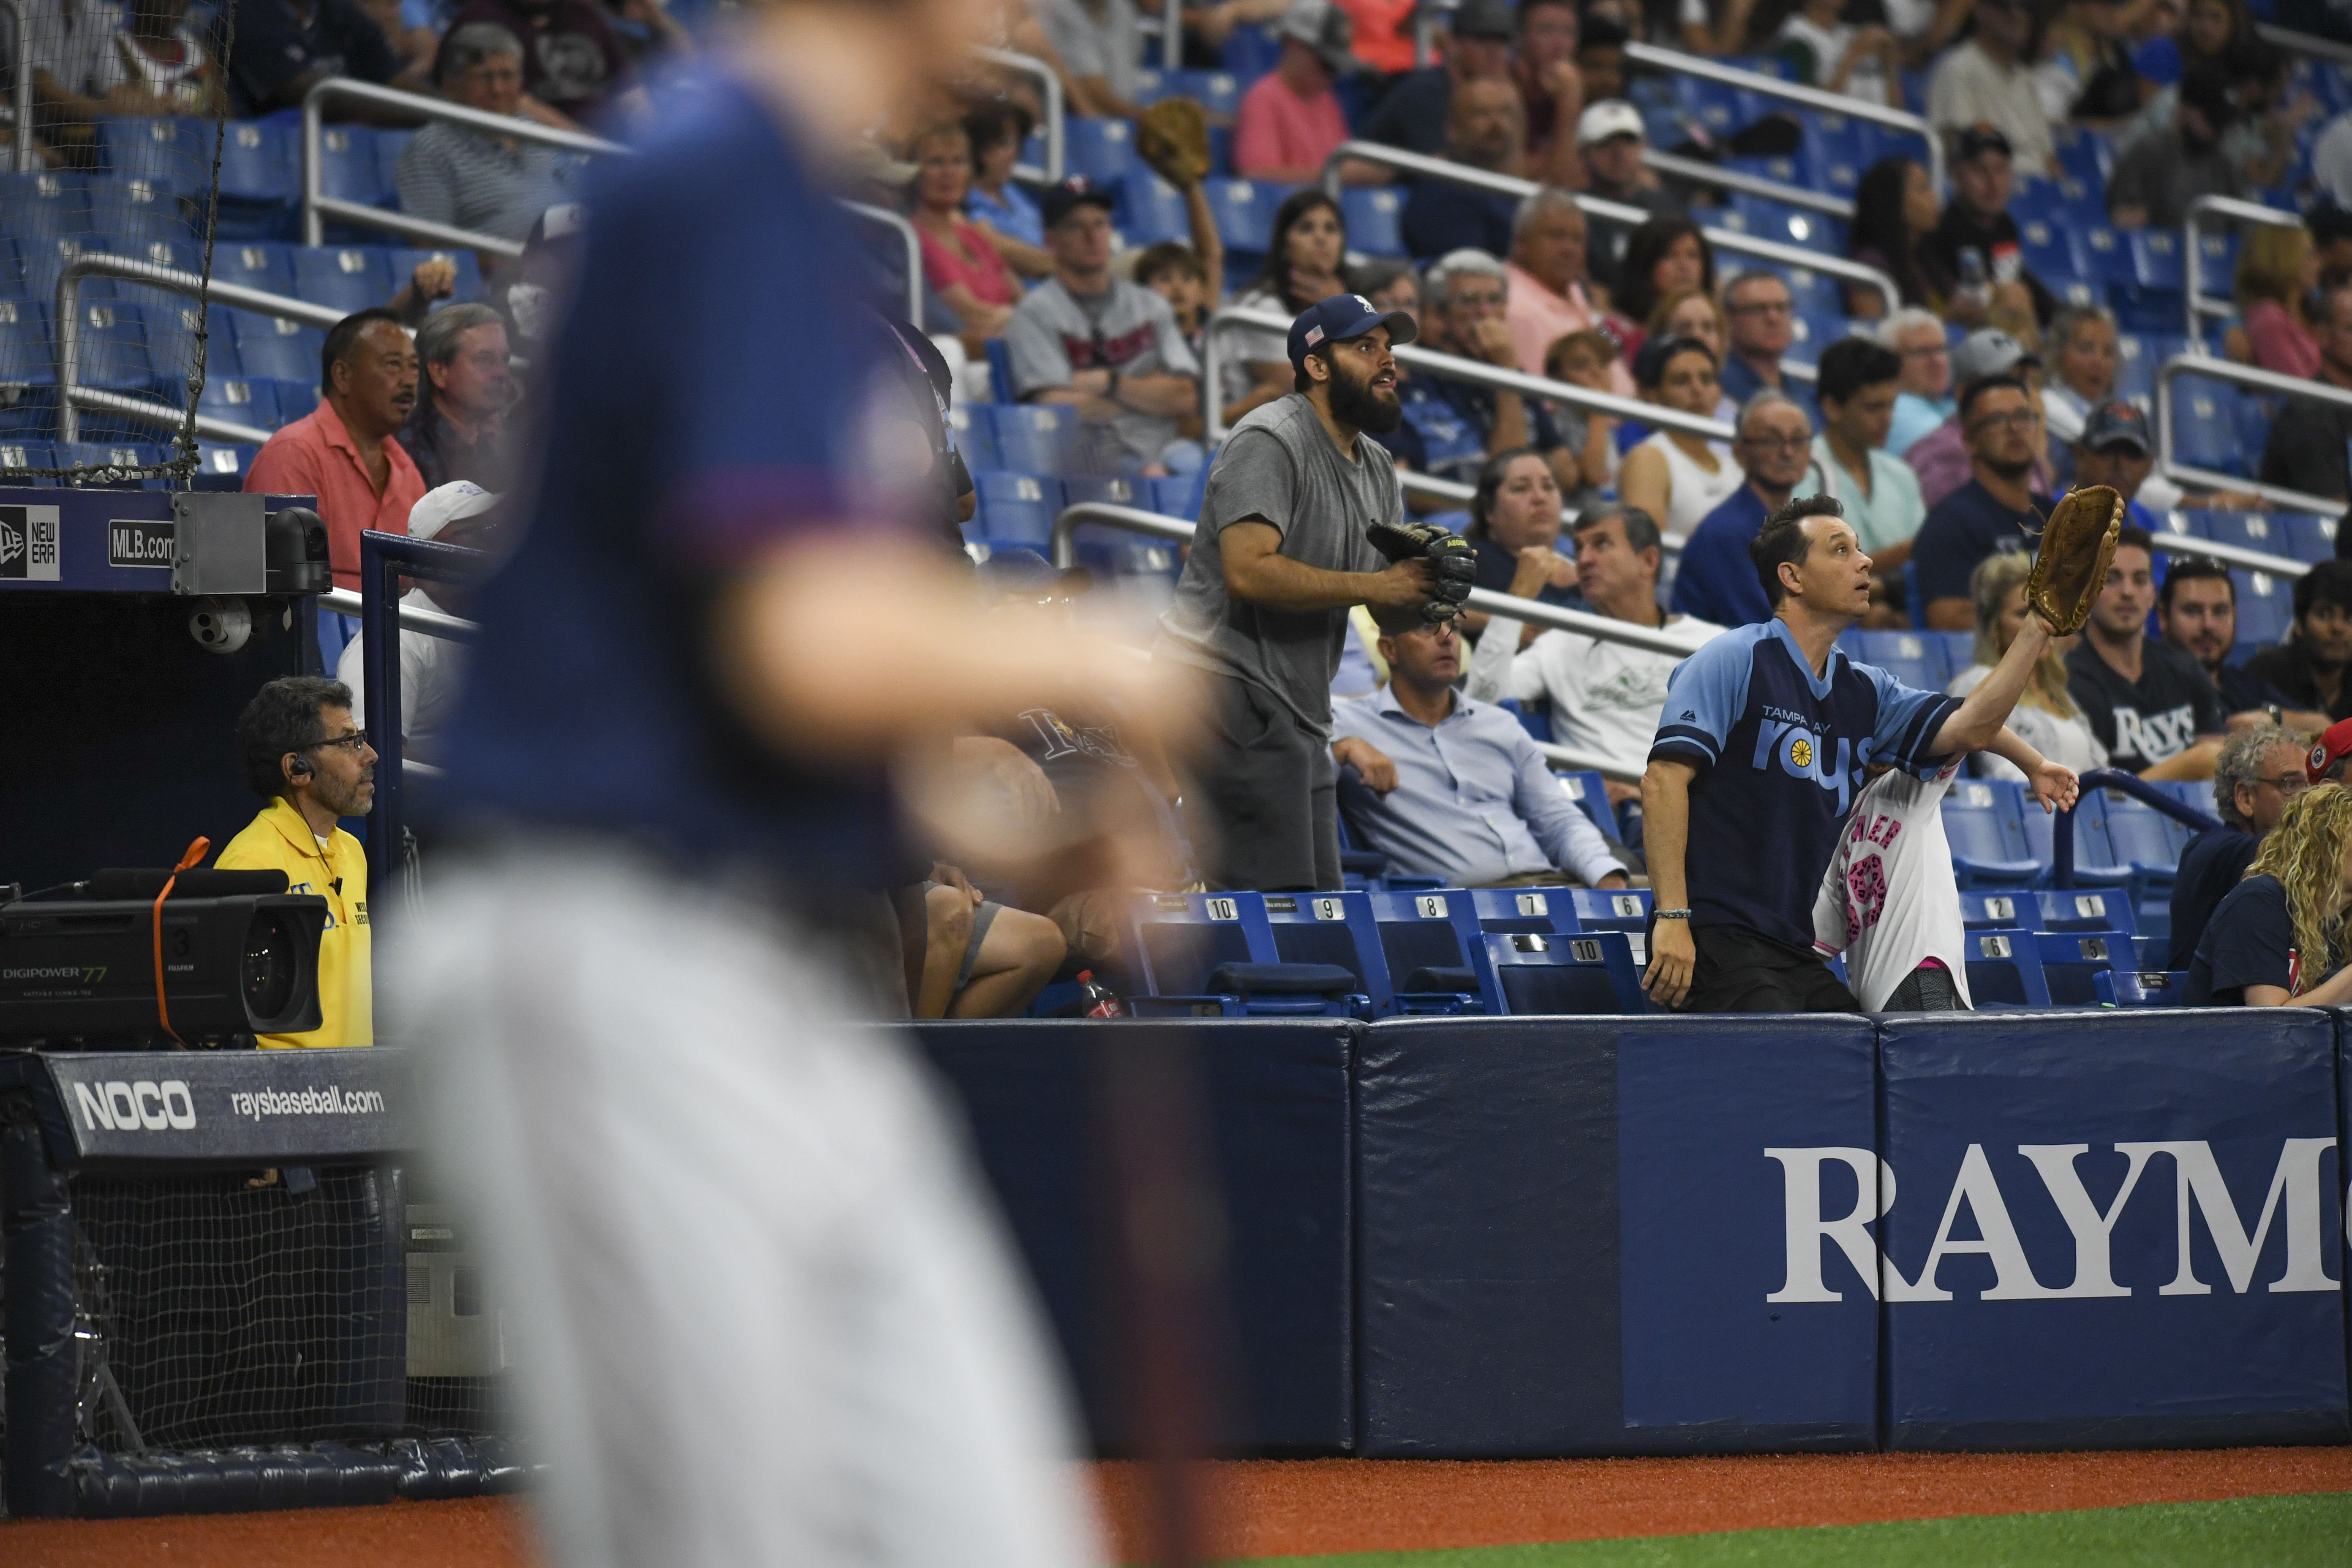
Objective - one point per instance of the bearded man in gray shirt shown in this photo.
(1279, 558)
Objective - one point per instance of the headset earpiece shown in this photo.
(300, 768)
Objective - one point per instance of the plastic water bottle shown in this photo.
(1101, 1001)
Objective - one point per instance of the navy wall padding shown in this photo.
(1276, 1093)
(2257, 1359)
(1496, 1162)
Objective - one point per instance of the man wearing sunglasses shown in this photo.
(2257, 773)
(303, 753)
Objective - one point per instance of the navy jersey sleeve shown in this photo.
(2251, 938)
(1706, 695)
(1909, 719)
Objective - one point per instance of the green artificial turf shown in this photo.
(2274, 1533)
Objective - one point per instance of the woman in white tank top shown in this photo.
(1678, 478)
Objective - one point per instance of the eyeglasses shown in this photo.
(1938, 351)
(1777, 443)
(1478, 301)
(2288, 784)
(2024, 419)
(1764, 307)
(354, 742)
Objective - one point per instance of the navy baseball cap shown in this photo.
(1072, 194)
(2116, 423)
(1341, 316)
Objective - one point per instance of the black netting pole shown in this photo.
(36, 1229)
(370, 1357)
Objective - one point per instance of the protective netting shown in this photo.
(212, 1313)
(121, 167)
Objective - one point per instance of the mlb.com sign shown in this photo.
(2202, 1198)
(134, 1106)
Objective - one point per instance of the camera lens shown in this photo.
(272, 963)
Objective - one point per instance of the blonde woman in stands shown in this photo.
(2045, 716)
(2278, 268)
(1676, 477)
(2278, 938)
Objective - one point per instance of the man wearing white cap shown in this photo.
(1611, 136)
(460, 513)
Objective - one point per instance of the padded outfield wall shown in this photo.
(1472, 1237)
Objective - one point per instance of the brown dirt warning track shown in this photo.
(1306, 1507)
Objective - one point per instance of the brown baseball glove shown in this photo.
(2071, 567)
(1173, 137)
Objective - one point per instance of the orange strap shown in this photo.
(196, 852)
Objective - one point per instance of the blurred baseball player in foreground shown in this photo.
(762, 1317)
(1766, 736)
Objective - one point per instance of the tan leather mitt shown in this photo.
(1173, 137)
(2070, 567)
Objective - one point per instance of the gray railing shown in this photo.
(317, 206)
(1724, 240)
(1049, 93)
(1688, 64)
(1452, 490)
(1453, 367)
(2306, 43)
(2192, 256)
(20, 93)
(2259, 381)
(406, 618)
(1697, 172)
(72, 397)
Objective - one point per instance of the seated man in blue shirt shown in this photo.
(1767, 734)
(1763, 315)
(1465, 794)
(1717, 581)
(1996, 511)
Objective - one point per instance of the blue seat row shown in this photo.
(218, 466)
(340, 276)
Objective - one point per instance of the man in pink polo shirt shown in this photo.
(1546, 278)
(1290, 121)
(345, 453)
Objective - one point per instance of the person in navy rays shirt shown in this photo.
(1766, 738)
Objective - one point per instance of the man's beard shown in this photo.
(2012, 472)
(1356, 405)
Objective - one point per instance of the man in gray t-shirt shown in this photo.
(1262, 607)
(1101, 48)
(1110, 350)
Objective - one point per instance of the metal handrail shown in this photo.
(1449, 490)
(412, 617)
(1171, 35)
(1029, 65)
(2193, 255)
(905, 230)
(2062, 826)
(1587, 761)
(1731, 239)
(1453, 367)
(20, 96)
(2261, 381)
(317, 206)
(72, 397)
(1697, 172)
(2304, 43)
(1688, 64)
(1157, 525)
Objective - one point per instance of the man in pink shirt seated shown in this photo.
(345, 453)
(1548, 298)
(1290, 121)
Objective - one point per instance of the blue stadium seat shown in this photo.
(170, 339)
(1427, 941)
(1589, 791)
(2071, 959)
(1249, 52)
(15, 454)
(1036, 437)
(295, 399)
(1712, 104)
(1017, 509)
(1541, 973)
(45, 202)
(2140, 988)
(1374, 213)
(2079, 909)
(1499, 910)
(1918, 658)
(2106, 258)
(260, 179)
(1995, 908)
(284, 351)
(2308, 537)
(41, 258)
(1152, 210)
(344, 278)
(1215, 954)
(975, 437)
(223, 467)
(2052, 251)
(112, 338)
(2096, 862)
(400, 262)
(347, 170)
(1335, 928)
(391, 141)
(2005, 971)
(1215, 90)
(1101, 149)
(2204, 425)
(178, 151)
(2265, 606)
(1111, 551)
(2086, 157)
(1178, 495)
(1960, 649)
(1988, 843)
(2155, 255)
(1245, 213)
(118, 453)
(136, 208)
(26, 365)
(2249, 530)
(2180, 528)
(255, 264)
(241, 401)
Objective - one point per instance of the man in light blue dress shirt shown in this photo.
(1465, 794)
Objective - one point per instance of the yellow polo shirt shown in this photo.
(281, 840)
